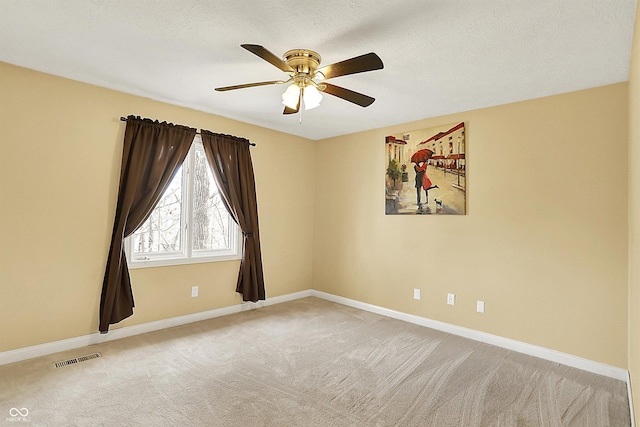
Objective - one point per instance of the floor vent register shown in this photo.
(77, 360)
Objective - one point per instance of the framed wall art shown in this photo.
(426, 172)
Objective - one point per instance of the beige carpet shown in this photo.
(306, 363)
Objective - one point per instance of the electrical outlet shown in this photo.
(416, 294)
(451, 299)
(194, 291)
(480, 306)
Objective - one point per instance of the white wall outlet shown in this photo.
(194, 291)
(451, 299)
(480, 306)
(416, 294)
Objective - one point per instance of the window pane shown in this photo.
(210, 217)
(161, 232)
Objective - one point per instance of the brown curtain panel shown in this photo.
(151, 155)
(230, 161)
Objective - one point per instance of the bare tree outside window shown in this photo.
(161, 232)
(201, 201)
(211, 219)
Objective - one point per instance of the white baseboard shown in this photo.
(127, 331)
(520, 347)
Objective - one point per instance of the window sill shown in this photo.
(167, 262)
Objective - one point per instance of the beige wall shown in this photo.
(60, 149)
(544, 242)
(634, 218)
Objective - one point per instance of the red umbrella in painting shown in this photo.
(421, 155)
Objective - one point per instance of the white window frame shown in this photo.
(187, 255)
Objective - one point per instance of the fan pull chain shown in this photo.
(300, 103)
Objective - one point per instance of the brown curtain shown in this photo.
(230, 160)
(151, 155)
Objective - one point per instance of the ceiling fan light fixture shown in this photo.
(312, 97)
(291, 96)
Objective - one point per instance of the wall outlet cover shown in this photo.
(416, 294)
(451, 299)
(480, 306)
(194, 291)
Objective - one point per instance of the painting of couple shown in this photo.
(438, 173)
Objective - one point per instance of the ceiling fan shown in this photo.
(308, 80)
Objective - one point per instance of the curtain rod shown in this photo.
(124, 119)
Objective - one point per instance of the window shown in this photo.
(190, 223)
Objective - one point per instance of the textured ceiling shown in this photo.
(440, 56)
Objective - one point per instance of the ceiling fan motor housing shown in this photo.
(303, 61)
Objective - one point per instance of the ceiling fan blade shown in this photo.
(268, 56)
(288, 110)
(348, 95)
(225, 88)
(359, 64)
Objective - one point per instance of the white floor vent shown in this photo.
(77, 360)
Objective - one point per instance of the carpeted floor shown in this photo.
(307, 362)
